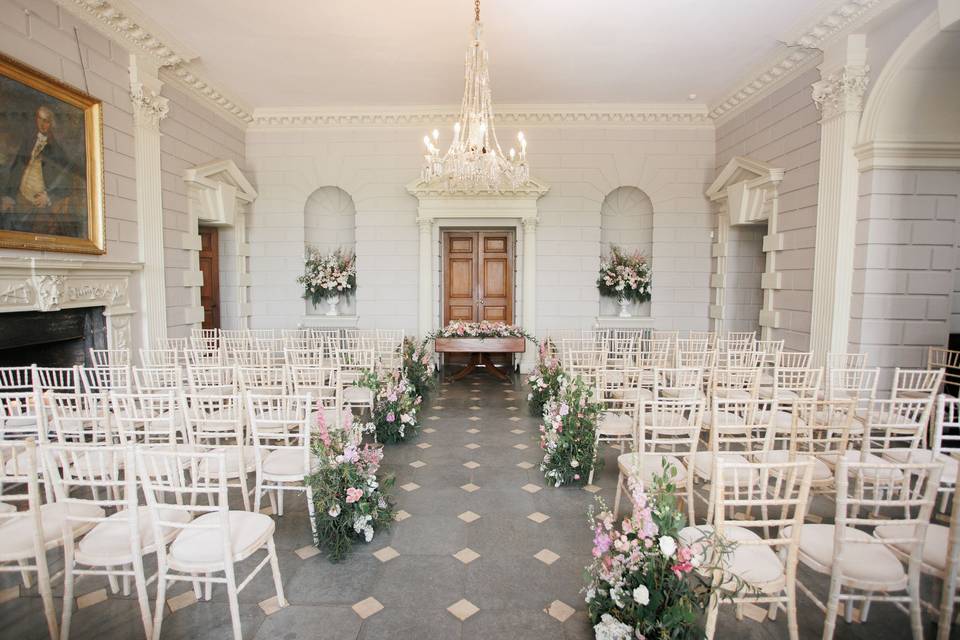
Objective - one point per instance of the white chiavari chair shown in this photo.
(29, 528)
(235, 339)
(766, 549)
(160, 357)
(739, 341)
(261, 334)
(618, 390)
(102, 500)
(949, 361)
(355, 359)
(706, 361)
(110, 357)
(916, 383)
(81, 418)
(305, 357)
(771, 350)
(300, 339)
(102, 380)
(846, 361)
(280, 428)
(249, 358)
(157, 379)
(16, 378)
(216, 423)
(685, 383)
(57, 379)
(21, 415)
(273, 346)
(262, 380)
(204, 357)
(738, 383)
(148, 418)
(215, 537)
(861, 567)
(214, 380)
(741, 358)
(175, 344)
(206, 339)
(709, 336)
(323, 386)
(791, 384)
(668, 433)
(623, 346)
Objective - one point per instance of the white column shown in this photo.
(839, 95)
(529, 290)
(425, 307)
(149, 108)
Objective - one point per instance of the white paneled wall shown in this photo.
(672, 165)
(783, 129)
(906, 264)
(744, 269)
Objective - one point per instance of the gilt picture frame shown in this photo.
(51, 163)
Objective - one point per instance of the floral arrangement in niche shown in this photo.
(417, 365)
(544, 380)
(326, 275)
(567, 435)
(624, 276)
(350, 502)
(482, 329)
(644, 583)
(395, 405)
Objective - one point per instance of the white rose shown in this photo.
(641, 595)
(574, 464)
(334, 511)
(668, 546)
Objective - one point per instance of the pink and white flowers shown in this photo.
(625, 276)
(482, 329)
(328, 274)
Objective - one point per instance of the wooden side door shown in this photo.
(495, 276)
(210, 268)
(460, 290)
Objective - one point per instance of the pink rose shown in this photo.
(391, 417)
(354, 494)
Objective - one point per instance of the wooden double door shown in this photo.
(210, 269)
(478, 274)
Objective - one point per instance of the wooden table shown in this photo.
(480, 348)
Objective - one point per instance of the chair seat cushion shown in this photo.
(204, 547)
(655, 419)
(852, 455)
(703, 467)
(357, 395)
(615, 424)
(781, 419)
(723, 419)
(755, 564)
(950, 464)
(685, 393)
(629, 464)
(233, 462)
(862, 560)
(17, 535)
(287, 463)
(934, 542)
(111, 537)
(821, 472)
(781, 394)
(733, 394)
(6, 507)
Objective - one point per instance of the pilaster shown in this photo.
(424, 303)
(529, 309)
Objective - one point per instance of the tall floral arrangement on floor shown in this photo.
(350, 502)
(417, 365)
(328, 275)
(644, 582)
(544, 380)
(395, 405)
(625, 276)
(568, 431)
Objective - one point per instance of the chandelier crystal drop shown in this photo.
(475, 161)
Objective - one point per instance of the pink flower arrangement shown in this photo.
(353, 494)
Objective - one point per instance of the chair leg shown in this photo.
(792, 626)
(46, 595)
(865, 611)
(112, 580)
(243, 488)
(947, 595)
(311, 513)
(142, 597)
(273, 499)
(25, 574)
(258, 492)
(616, 500)
(162, 599)
(916, 613)
(691, 507)
(275, 569)
(833, 604)
(68, 581)
(232, 598)
(596, 456)
(279, 509)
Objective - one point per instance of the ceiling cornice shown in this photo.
(686, 116)
(122, 22)
(804, 52)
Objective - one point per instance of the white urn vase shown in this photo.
(624, 308)
(332, 301)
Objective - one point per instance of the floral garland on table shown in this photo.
(544, 380)
(328, 275)
(350, 503)
(482, 329)
(395, 405)
(567, 435)
(417, 366)
(642, 582)
(625, 276)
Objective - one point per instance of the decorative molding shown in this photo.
(794, 60)
(841, 91)
(532, 189)
(148, 104)
(908, 155)
(749, 188)
(124, 23)
(506, 115)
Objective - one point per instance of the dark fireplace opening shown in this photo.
(53, 338)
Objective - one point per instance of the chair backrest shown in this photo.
(16, 378)
(802, 381)
(655, 354)
(20, 490)
(106, 378)
(204, 357)
(896, 423)
(280, 423)
(743, 358)
(709, 336)
(726, 380)
(357, 356)
(211, 379)
(846, 361)
(685, 382)
(172, 344)
(672, 426)
(262, 379)
(691, 345)
(157, 379)
(737, 341)
(623, 345)
(305, 357)
(949, 361)
(876, 493)
(821, 428)
(916, 383)
(740, 426)
(249, 357)
(147, 418)
(618, 390)
(235, 339)
(946, 435)
(213, 420)
(596, 358)
(795, 359)
(22, 415)
(859, 385)
(320, 383)
(771, 350)
(57, 379)
(702, 359)
(262, 334)
(80, 418)
(110, 357)
(160, 357)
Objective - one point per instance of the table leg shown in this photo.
(492, 368)
(467, 370)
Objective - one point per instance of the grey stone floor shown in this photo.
(478, 455)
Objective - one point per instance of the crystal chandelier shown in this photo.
(474, 161)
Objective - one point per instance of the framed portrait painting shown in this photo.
(51, 163)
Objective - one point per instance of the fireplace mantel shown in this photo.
(48, 284)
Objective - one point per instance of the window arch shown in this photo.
(329, 220)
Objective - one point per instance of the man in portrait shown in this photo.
(38, 183)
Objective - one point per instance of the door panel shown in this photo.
(210, 269)
(496, 276)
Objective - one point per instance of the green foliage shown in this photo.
(567, 435)
(395, 406)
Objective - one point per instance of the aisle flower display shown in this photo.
(328, 275)
(417, 365)
(643, 582)
(544, 380)
(350, 502)
(567, 435)
(625, 277)
(395, 405)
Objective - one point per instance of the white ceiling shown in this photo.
(297, 53)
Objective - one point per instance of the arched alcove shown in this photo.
(626, 220)
(329, 223)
